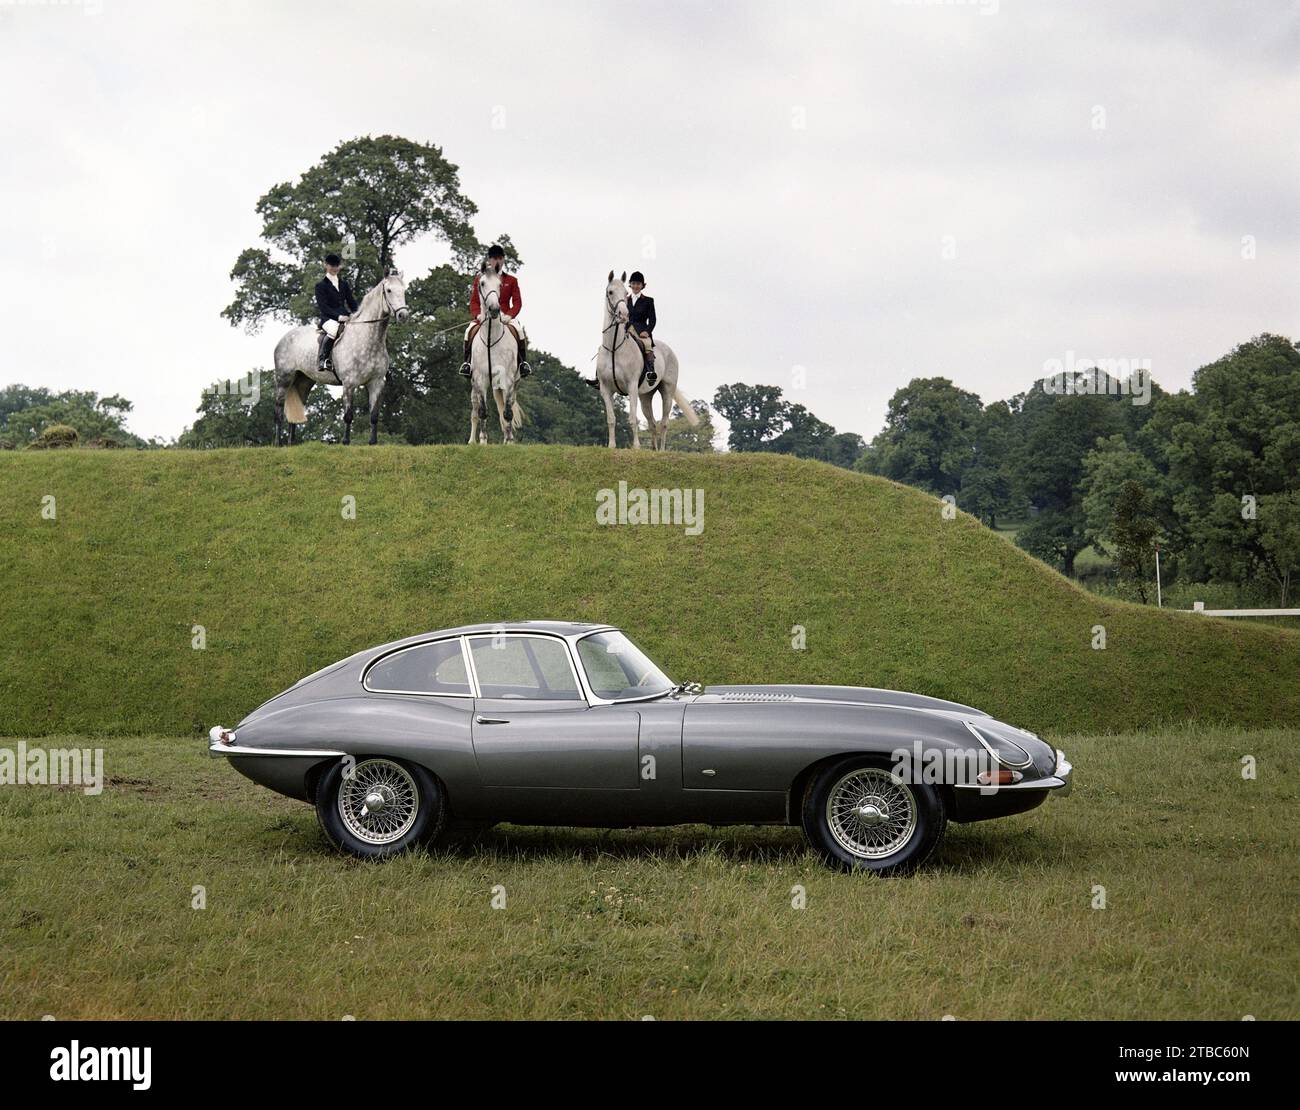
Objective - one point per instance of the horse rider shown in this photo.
(334, 303)
(641, 321)
(640, 325)
(511, 301)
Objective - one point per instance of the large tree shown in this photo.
(364, 199)
(755, 413)
(26, 412)
(929, 436)
(1228, 449)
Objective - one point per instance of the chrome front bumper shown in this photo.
(1060, 782)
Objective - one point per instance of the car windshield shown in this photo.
(616, 668)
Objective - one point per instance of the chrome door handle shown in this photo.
(490, 721)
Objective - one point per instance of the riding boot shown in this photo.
(524, 368)
(650, 377)
(323, 364)
(464, 366)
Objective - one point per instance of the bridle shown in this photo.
(612, 305)
(389, 310)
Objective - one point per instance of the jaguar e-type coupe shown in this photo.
(554, 723)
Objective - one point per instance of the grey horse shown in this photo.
(360, 357)
(494, 365)
(618, 369)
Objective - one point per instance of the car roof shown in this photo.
(554, 628)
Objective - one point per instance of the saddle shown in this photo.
(321, 337)
(473, 331)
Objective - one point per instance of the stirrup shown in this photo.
(524, 369)
(464, 370)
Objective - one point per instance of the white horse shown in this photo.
(360, 357)
(619, 363)
(493, 364)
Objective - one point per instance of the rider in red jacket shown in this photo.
(512, 302)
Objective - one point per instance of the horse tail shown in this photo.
(685, 406)
(518, 418)
(295, 409)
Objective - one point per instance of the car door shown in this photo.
(551, 756)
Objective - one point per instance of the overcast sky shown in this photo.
(787, 176)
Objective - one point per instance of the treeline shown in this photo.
(1211, 474)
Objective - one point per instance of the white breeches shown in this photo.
(506, 319)
(331, 328)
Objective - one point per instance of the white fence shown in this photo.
(1199, 607)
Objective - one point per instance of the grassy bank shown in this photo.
(252, 545)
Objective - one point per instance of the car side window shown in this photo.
(437, 668)
(533, 667)
(604, 669)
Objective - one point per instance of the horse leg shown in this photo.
(376, 390)
(279, 414)
(607, 395)
(652, 426)
(473, 412)
(666, 395)
(634, 418)
(347, 414)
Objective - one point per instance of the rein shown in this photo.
(613, 348)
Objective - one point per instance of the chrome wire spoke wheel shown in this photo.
(379, 801)
(869, 814)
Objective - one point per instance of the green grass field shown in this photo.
(251, 544)
(1199, 868)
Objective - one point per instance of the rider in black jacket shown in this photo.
(334, 303)
(641, 319)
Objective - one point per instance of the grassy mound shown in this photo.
(97, 629)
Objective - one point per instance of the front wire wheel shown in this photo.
(859, 817)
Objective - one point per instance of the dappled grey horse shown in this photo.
(360, 357)
(493, 365)
(619, 363)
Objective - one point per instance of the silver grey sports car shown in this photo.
(553, 723)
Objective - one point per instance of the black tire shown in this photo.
(927, 812)
(430, 805)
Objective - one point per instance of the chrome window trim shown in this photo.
(365, 674)
(595, 698)
(581, 690)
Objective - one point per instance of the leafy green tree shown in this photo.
(761, 420)
(558, 407)
(682, 436)
(1056, 432)
(1120, 510)
(1233, 440)
(228, 419)
(755, 413)
(1279, 525)
(987, 488)
(364, 200)
(26, 412)
(929, 436)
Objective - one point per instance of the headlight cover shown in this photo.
(1006, 752)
